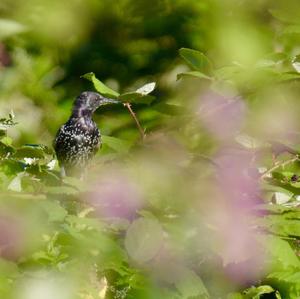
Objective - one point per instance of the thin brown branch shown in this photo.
(282, 164)
(141, 130)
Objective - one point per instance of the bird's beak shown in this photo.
(110, 101)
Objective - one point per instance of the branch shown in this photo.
(282, 164)
(141, 130)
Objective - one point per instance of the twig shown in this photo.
(282, 164)
(141, 130)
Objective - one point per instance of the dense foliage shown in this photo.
(195, 191)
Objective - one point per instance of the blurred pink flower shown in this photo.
(222, 116)
(236, 176)
(239, 192)
(116, 196)
(10, 237)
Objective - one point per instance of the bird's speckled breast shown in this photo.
(77, 142)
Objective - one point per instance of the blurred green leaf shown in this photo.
(194, 74)
(286, 15)
(143, 239)
(196, 60)
(117, 144)
(7, 140)
(234, 296)
(9, 28)
(54, 210)
(5, 149)
(6, 123)
(15, 184)
(62, 190)
(287, 76)
(191, 285)
(29, 151)
(292, 29)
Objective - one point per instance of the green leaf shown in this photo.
(42, 147)
(9, 28)
(15, 184)
(272, 60)
(55, 211)
(289, 276)
(249, 142)
(146, 89)
(29, 151)
(286, 15)
(279, 250)
(190, 284)
(5, 149)
(141, 95)
(61, 190)
(280, 225)
(134, 97)
(100, 86)
(196, 60)
(292, 29)
(143, 239)
(234, 296)
(6, 123)
(256, 292)
(7, 141)
(75, 183)
(287, 76)
(194, 74)
(117, 144)
(274, 208)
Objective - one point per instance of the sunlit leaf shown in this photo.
(146, 89)
(140, 96)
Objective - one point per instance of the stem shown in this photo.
(141, 130)
(282, 164)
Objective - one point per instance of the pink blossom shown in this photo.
(222, 116)
(116, 196)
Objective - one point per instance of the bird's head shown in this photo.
(89, 101)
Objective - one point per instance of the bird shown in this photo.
(78, 140)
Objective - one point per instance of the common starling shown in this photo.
(78, 140)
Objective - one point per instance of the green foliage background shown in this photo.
(150, 219)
